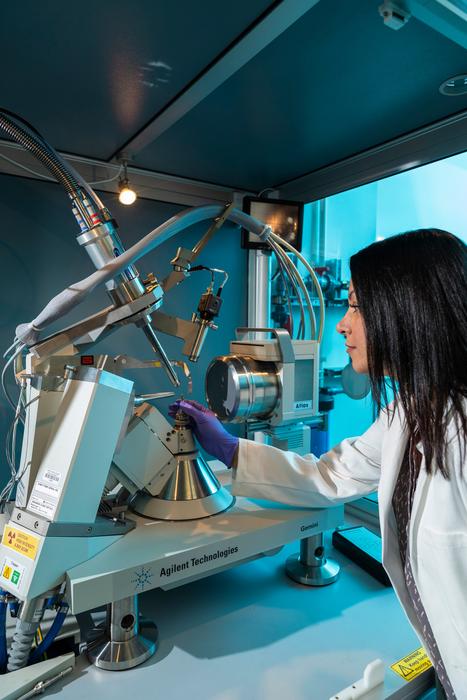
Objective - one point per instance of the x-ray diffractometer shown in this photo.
(112, 499)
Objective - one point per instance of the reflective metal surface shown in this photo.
(239, 387)
(196, 508)
(259, 288)
(191, 479)
(122, 645)
(311, 567)
(160, 352)
(198, 342)
(192, 491)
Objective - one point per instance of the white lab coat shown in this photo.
(438, 526)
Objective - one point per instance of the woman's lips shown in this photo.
(349, 348)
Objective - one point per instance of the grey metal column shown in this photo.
(259, 301)
(122, 646)
(259, 289)
(310, 567)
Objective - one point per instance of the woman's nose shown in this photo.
(343, 327)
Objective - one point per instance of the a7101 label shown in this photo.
(303, 405)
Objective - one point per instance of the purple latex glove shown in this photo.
(208, 430)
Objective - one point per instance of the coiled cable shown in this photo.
(21, 644)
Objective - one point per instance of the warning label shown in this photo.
(20, 541)
(412, 665)
(11, 572)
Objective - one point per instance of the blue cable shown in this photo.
(14, 608)
(3, 646)
(50, 636)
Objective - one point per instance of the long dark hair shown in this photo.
(412, 293)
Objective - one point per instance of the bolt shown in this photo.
(18, 517)
(89, 529)
(36, 524)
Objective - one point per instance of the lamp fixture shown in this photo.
(127, 195)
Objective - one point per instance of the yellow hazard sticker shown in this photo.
(12, 573)
(20, 541)
(412, 665)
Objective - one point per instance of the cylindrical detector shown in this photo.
(103, 245)
(239, 388)
(199, 340)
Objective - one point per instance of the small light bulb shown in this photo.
(127, 196)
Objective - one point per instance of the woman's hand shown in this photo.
(208, 430)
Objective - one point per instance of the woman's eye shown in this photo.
(355, 307)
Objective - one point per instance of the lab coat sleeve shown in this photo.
(348, 471)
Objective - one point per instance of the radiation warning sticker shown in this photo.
(20, 541)
(412, 665)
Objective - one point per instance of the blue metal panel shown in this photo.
(336, 83)
(90, 75)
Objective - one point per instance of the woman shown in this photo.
(406, 326)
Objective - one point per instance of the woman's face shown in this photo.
(352, 328)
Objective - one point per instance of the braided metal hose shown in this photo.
(21, 644)
(42, 152)
(86, 204)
